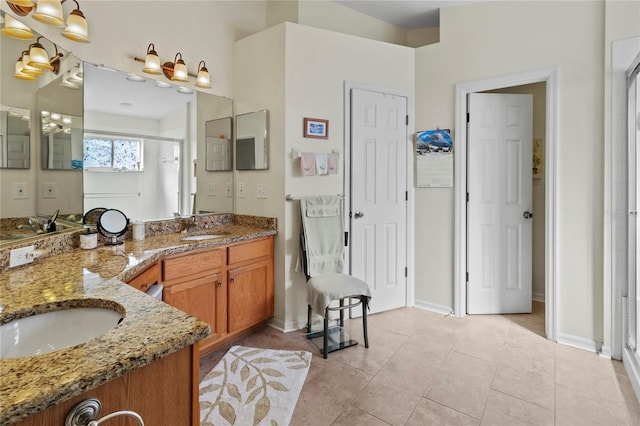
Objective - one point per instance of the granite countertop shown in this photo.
(150, 330)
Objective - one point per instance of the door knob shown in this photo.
(527, 215)
(358, 214)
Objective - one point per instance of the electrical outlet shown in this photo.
(242, 190)
(20, 256)
(50, 190)
(228, 189)
(19, 190)
(211, 190)
(261, 190)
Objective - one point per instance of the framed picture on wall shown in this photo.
(316, 128)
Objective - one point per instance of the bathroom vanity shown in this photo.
(149, 363)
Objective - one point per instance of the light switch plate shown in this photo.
(261, 190)
(20, 256)
(242, 190)
(211, 192)
(229, 190)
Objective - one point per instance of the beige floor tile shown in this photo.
(497, 369)
(505, 410)
(526, 377)
(383, 344)
(416, 365)
(389, 397)
(323, 398)
(353, 416)
(574, 407)
(463, 383)
(428, 412)
(520, 337)
(484, 341)
(587, 372)
(628, 394)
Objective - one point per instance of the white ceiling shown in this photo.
(409, 14)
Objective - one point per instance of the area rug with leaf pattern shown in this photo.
(251, 386)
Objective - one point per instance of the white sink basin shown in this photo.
(202, 237)
(51, 331)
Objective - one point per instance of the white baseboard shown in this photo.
(579, 343)
(433, 307)
(632, 367)
(538, 297)
(606, 352)
(288, 326)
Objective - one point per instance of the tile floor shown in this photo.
(424, 368)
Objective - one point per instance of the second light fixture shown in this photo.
(174, 71)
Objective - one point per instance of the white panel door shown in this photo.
(18, 152)
(378, 201)
(500, 204)
(217, 154)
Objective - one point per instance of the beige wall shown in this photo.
(293, 85)
(492, 39)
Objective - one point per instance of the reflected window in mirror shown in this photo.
(15, 137)
(112, 152)
(218, 136)
(252, 141)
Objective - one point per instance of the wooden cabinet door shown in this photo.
(250, 295)
(146, 278)
(204, 299)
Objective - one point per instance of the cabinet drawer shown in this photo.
(188, 264)
(146, 278)
(252, 250)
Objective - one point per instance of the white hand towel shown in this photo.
(307, 164)
(321, 164)
(332, 163)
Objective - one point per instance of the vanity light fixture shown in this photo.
(152, 61)
(50, 12)
(203, 79)
(39, 58)
(179, 69)
(16, 29)
(174, 71)
(28, 69)
(77, 28)
(19, 74)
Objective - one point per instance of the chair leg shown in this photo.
(326, 333)
(308, 319)
(364, 320)
(341, 313)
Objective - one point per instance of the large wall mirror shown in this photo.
(15, 137)
(104, 138)
(252, 141)
(141, 142)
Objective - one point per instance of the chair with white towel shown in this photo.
(322, 241)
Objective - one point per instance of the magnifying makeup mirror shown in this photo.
(112, 224)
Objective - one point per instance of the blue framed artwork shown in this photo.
(438, 140)
(316, 128)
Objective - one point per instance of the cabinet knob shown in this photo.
(232, 279)
(219, 283)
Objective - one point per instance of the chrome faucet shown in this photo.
(34, 224)
(187, 223)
